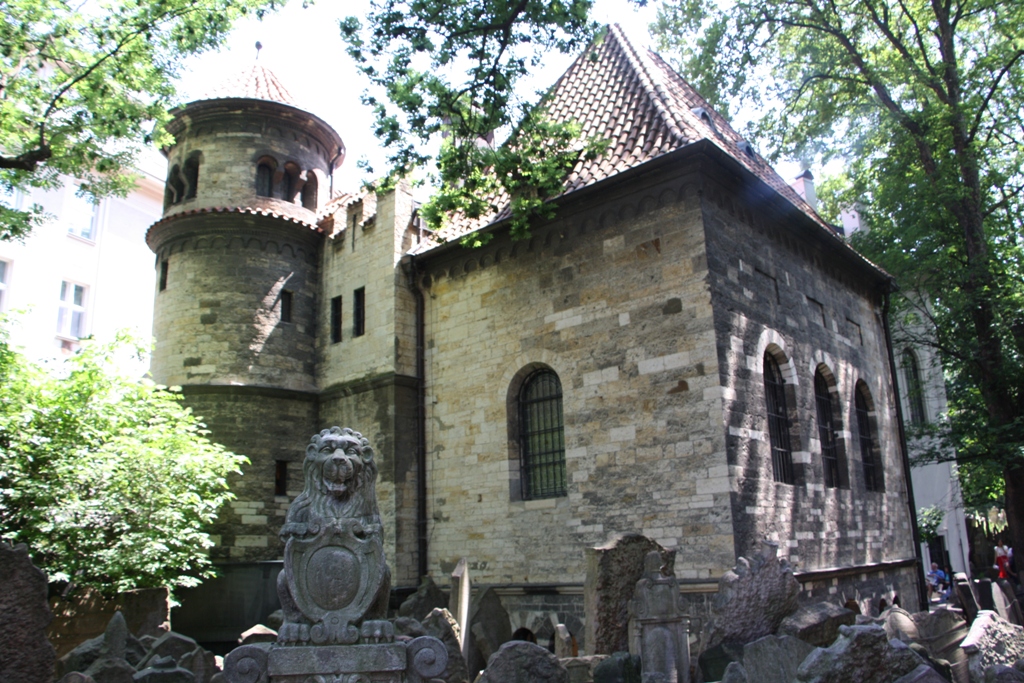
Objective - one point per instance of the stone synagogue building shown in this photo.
(687, 351)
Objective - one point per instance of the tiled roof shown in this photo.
(254, 83)
(252, 211)
(644, 109)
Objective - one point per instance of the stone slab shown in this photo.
(335, 659)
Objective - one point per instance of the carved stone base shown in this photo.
(420, 660)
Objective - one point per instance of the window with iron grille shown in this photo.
(872, 468)
(778, 421)
(542, 436)
(826, 432)
(915, 391)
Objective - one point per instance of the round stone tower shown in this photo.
(237, 256)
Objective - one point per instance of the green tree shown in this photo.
(451, 69)
(108, 479)
(82, 85)
(924, 101)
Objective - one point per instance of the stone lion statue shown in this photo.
(335, 574)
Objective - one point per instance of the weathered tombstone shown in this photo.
(817, 624)
(164, 670)
(985, 594)
(490, 628)
(967, 598)
(922, 674)
(860, 653)
(170, 644)
(427, 597)
(202, 663)
(335, 583)
(110, 666)
(458, 603)
(258, 634)
(25, 653)
(1000, 673)
(521, 662)
(612, 571)
(1013, 605)
(621, 667)
(999, 603)
(753, 598)
(76, 677)
(775, 659)
(442, 625)
(658, 629)
(991, 641)
(563, 642)
(735, 673)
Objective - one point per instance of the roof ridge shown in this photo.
(650, 85)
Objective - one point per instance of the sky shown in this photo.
(303, 47)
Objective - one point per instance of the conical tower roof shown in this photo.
(255, 83)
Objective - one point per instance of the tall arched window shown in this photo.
(914, 390)
(870, 454)
(190, 169)
(175, 184)
(778, 420)
(264, 179)
(826, 430)
(309, 191)
(290, 182)
(542, 436)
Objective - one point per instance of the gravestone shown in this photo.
(612, 571)
(335, 583)
(490, 628)
(25, 653)
(458, 603)
(658, 629)
(521, 662)
(563, 642)
(427, 597)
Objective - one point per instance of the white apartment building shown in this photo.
(86, 271)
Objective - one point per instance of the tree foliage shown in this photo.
(108, 479)
(82, 85)
(924, 103)
(451, 69)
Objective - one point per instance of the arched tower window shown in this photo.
(915, 389)
(542, 436)
(190, 170)
(831, 454)
(290, 182)
(309, 191)
(174, 192)
(265, 177)
(778, 420)
(870, 453)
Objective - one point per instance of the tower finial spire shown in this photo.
(259, 46)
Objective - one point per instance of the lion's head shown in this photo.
(340, 477)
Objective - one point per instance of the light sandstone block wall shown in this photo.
(613, 296)
(367, 382)
(765, 278)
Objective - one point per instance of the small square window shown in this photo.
(71, 312)
(359, 312)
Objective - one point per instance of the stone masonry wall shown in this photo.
(774, 287)
(367, 381)
(613, 297)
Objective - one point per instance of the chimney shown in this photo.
(804, 186)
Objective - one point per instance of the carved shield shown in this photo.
(335, 576)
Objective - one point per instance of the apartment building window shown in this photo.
(80, 215)
(336, 320)
(5, 270)
(71, 313)
(359, 312)
(286, 306)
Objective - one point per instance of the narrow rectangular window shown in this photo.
(71, 313)
(359, 312)
(280, 477)
(4, 269)
(163, 275)
(336, 320)
(286, 306)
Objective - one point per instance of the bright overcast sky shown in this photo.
(304, 49)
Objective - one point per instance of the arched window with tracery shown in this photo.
(542, 436)
(870, 453)
(915, 388)
(831, 454)
(778, 420)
